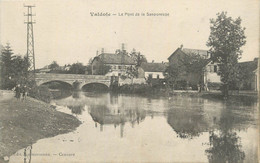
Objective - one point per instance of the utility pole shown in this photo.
(30, 41)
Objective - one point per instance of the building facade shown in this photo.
(152, 70)
(118, 64)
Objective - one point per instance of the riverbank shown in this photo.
(22, 123)
(148, 91)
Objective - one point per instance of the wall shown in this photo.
(176, 56)
(210, 75)
(131, 81)
(117, 69)
(154, 75)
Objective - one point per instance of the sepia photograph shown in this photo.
(85, 81)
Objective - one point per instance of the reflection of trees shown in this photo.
(76, 109)
(225, 145)
(187, 123)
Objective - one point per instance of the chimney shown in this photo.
(97, 53)
(123, 46)
(181, 46)
(152, 61)
(102, 50)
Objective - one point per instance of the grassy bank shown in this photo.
(24, 122)
(151, 91)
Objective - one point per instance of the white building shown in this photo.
(152, 70)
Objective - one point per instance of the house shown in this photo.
(180, 52)
(250, 72)
(211, 79)
(152, 70)
(117, 63)
(44, 70)
(208, 72)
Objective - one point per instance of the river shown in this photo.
(132, 128)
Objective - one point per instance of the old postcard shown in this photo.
(129, 81)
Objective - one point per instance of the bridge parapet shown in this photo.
(71, 78)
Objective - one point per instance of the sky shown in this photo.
(66, 32)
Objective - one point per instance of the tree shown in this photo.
(225, 40)
(54, 65)
(188, 66)
(173, 73)
(138, 57)
(19, 69)
(14, 68)
(102, 69)
(77, 68)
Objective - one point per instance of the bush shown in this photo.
(41, 93)
(214, 86)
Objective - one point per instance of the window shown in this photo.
(158, 76)
(215, 68)
(150, 76)
(210, 68)
(119, 67)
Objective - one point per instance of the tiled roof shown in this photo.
(109, 58)
(154, 67)
(202, 53)
(195, 51)
(251, 65)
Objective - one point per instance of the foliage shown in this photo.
(186, 64)
(225, 40)
(138, 57)
(102, 69)
(132, 72)
(54, 65)
(173, 72)
(77, 68)
(14, 68)
(246, 75)
(88, 69)
(225, 148)
(41, 93)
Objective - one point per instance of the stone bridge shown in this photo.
(82, 80)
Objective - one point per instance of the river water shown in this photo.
(132, 128)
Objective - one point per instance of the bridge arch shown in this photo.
(49, 82)
(94, 86)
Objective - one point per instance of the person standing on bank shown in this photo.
(25, 92)
(17, 91)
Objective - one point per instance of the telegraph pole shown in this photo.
(30, 41)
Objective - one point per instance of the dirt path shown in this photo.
(24, 122)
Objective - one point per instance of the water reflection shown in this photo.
(28, 154)
(187, 124)
(225, 147)
(117, 116)
(76, 109)
(117, 128)
(76, 94)
(225, 144)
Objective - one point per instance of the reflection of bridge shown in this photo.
(72, 78)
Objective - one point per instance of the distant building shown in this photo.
(44, 70)
(118, 63)
(152, 70)
(250, 68)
